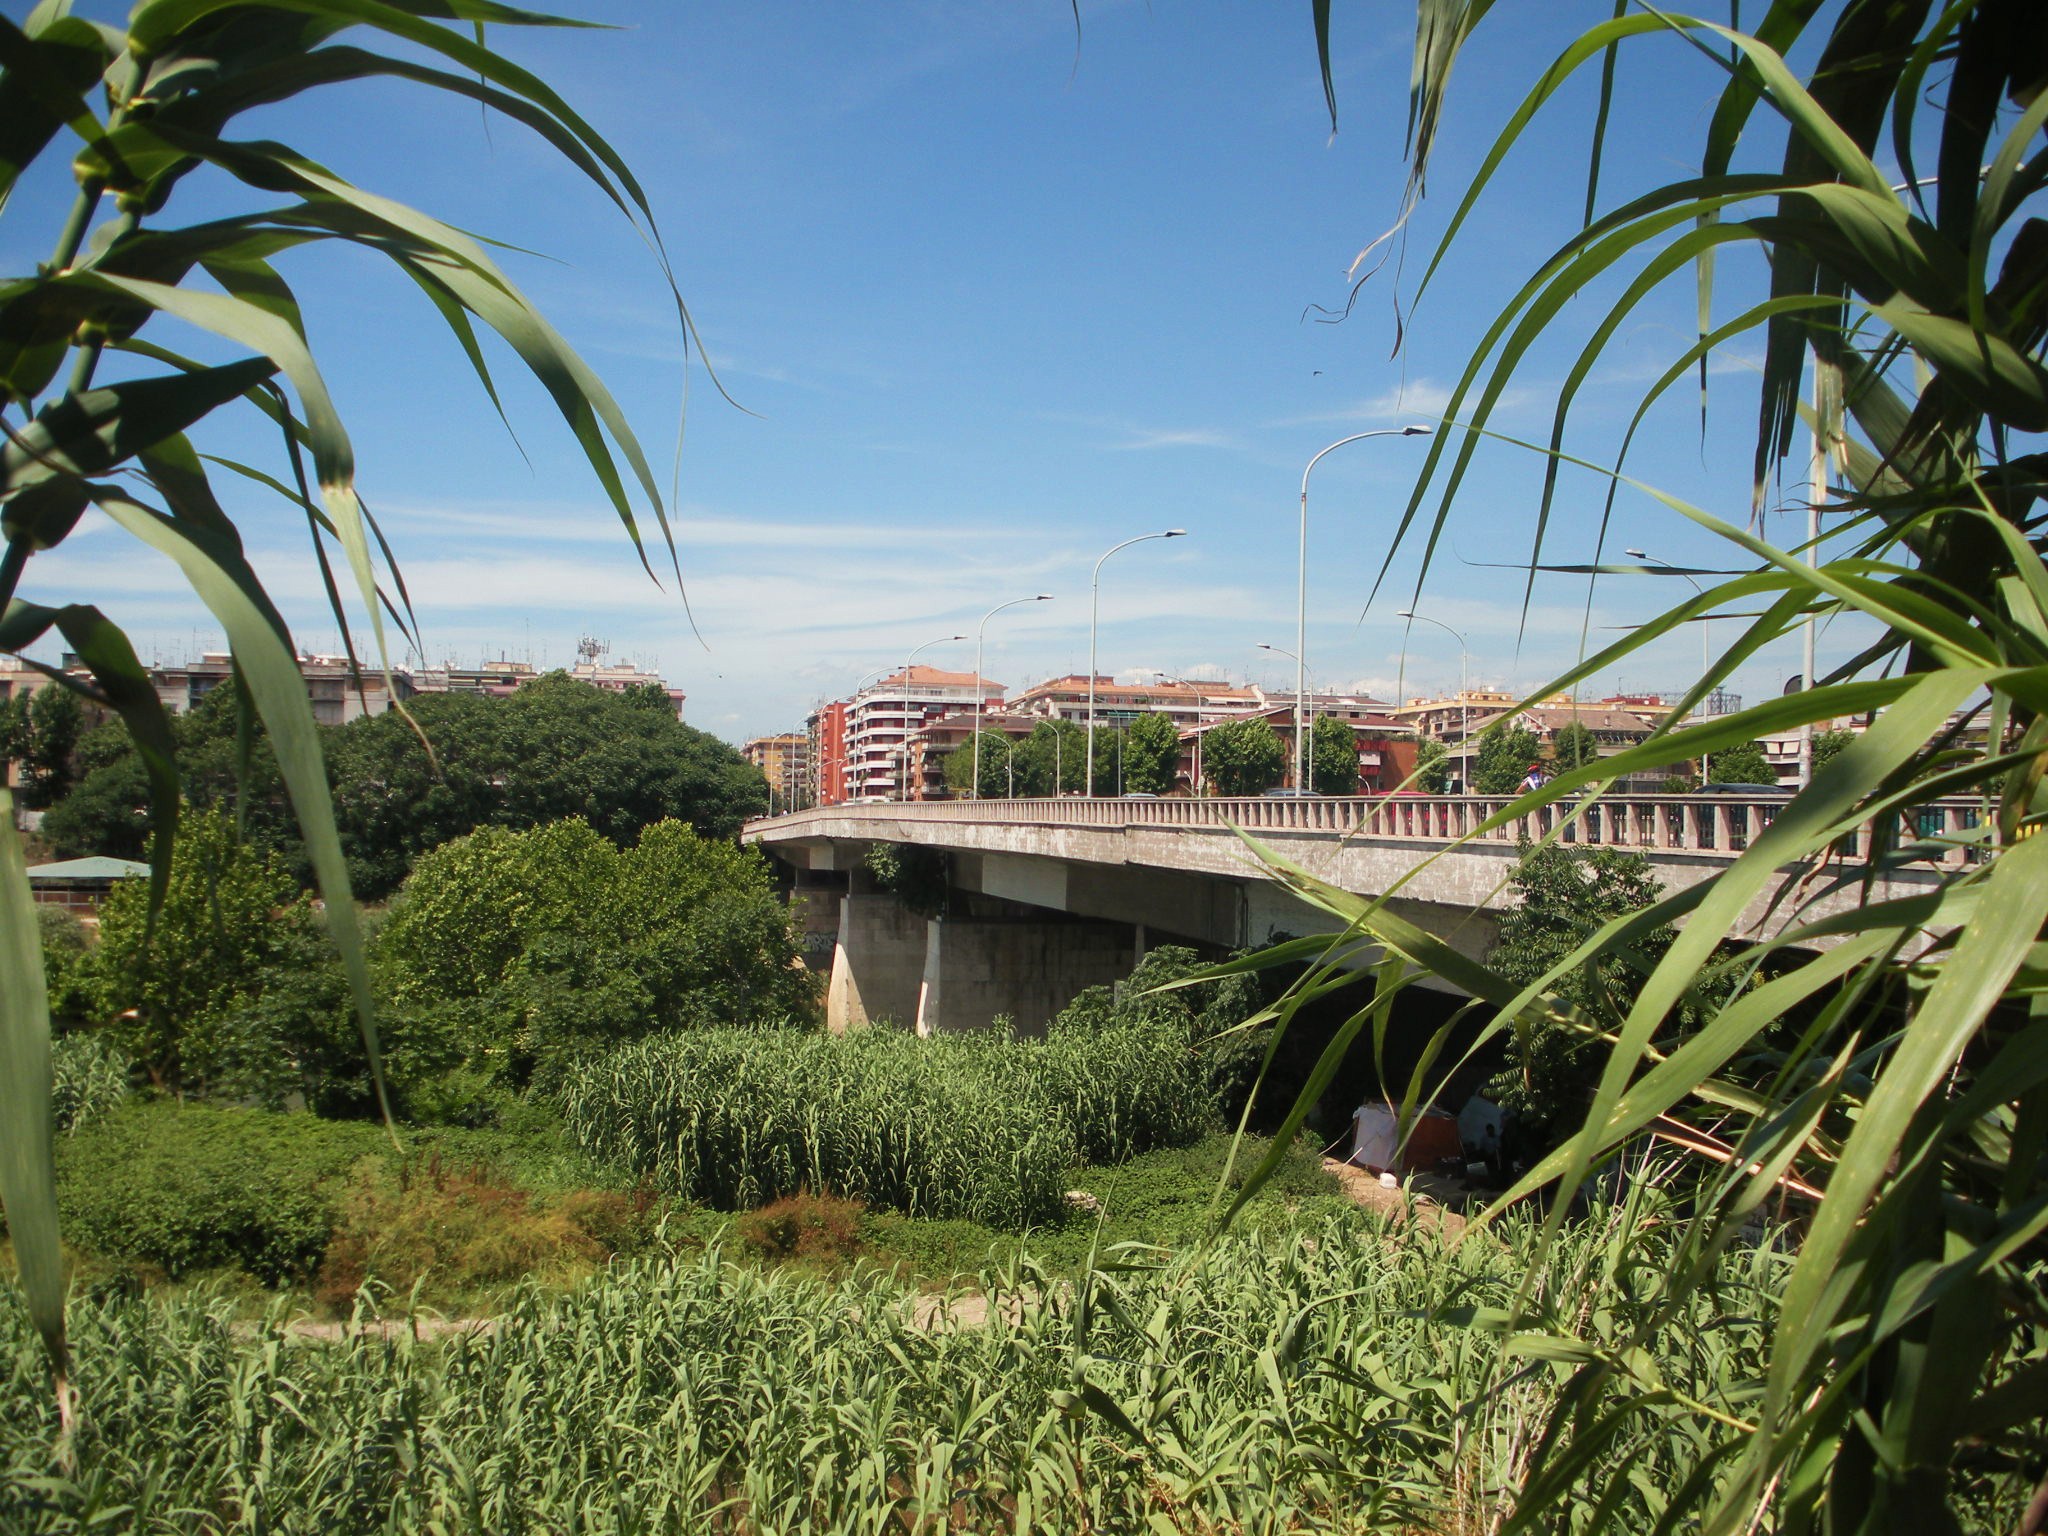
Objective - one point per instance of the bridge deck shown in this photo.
(1363, 844)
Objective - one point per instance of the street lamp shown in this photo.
(1283, 651)
(1301, 599)
(1094, 604)
(1464, 728)
(1706, 631)
(980, 688)
(903, 761)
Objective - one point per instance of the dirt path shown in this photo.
(1424, 1198)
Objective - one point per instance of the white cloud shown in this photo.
(1141, 438)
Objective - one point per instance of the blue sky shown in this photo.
(990, 306)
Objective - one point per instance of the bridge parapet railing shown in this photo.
(1713, 826)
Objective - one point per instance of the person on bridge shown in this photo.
(1536, 778)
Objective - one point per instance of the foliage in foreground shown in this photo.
(1893, 184)
(979, 1126)
(1175, 1398)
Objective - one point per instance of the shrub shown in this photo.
(420, 1222)
(66, 950)
(821, 1229)
(214, 997)
(183, 1188)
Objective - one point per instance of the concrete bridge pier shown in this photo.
(978, 968)
(878, 963)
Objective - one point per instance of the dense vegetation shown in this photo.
(554, 748)
(680, 1393)
(980, 1126)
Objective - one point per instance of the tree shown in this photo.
(556, 747)
(1243, 757)
(1562, 896)
(1574, 746)
(165, 123)
(39, 733)
(1743, 764)
(995, 766)
(1505, 753)
(175, 992)
(1333, 757)
(1432, 766)
(1826, 744)
(508, 955)
(1151, 755)
(1053, 759)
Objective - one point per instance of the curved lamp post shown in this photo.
(903, 760)
(1094, 604)
(980, 689)
(1301, 596)
(1278, 650)
(1464, 728)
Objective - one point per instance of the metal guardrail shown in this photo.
(1706, 825)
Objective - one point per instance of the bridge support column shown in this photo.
(877, 964)
(977, 969)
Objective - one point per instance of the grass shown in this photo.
(1158, 1198)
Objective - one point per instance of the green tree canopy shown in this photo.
(1505, 753)
(1151, 755)
(1744, 764)
(177, 999)
(40, 733)
(1333, 757)
(995, 766)
(1826, 744)
(1574, 746)
(509, 953)
(1243, 757)
(1052, 759)
(1432, 766)
(556, 747)
(1562, 896)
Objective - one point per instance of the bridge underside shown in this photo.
(1026, 932)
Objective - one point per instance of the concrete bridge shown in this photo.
(1052, 896)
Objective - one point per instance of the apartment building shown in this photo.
(338, 694)
(1185, 703)
(882, 762)
(785, 762)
